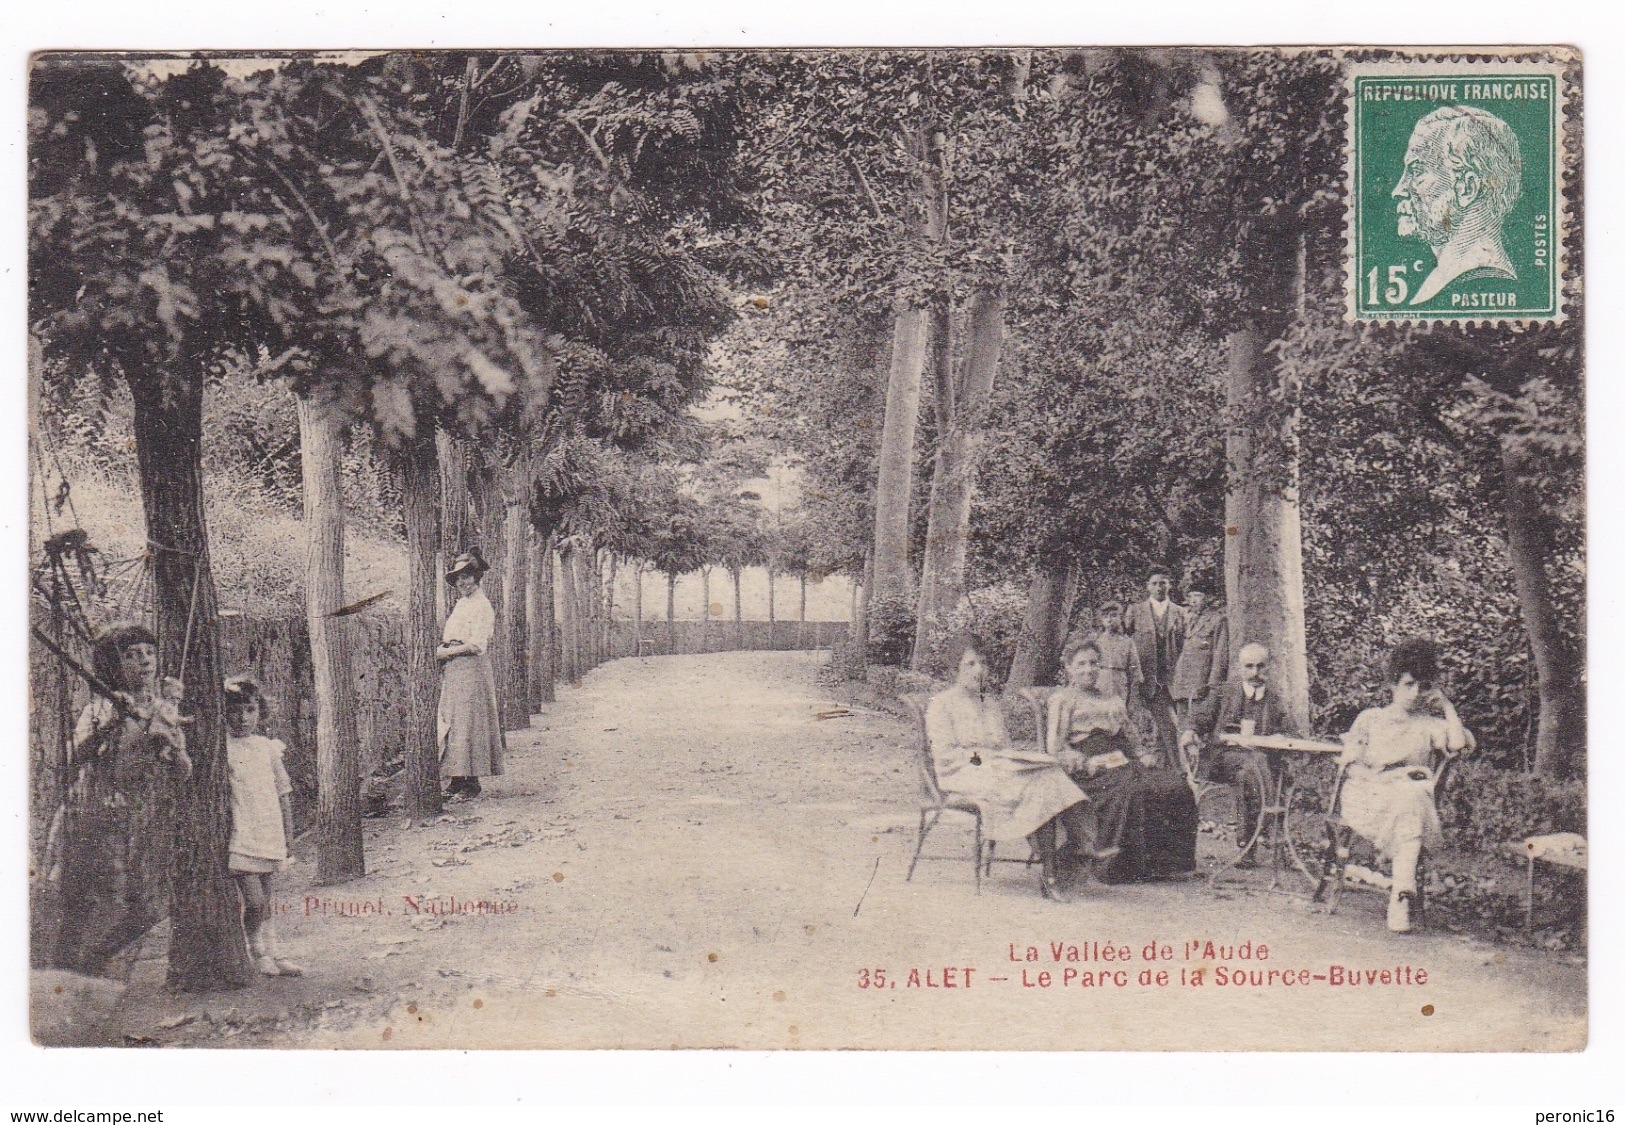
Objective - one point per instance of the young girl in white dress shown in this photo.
(261, 819)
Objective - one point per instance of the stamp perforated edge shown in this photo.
(1562, 63)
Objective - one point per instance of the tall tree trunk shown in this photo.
(587, 576)
(489, 512)
(944, 398)
(1069, 599)
(543, 668)
(609, 608)
(705, 616)
(671, 613)
(515, 694)
(571, 669)
(1560, 730)
(895, 482)
(860, 625)
(911, 331)
(772, 598)
(206, 948)
(600, 651)
(736, 573)
(637, 610)
(550, 615)
(586, 617)
(581, 592)
(801, 614)
(1038, 649)
(586, 561)
(339, 855)
(953, 478)
(533, 618)
(420, 500)
(1263, 558)
(456, 534)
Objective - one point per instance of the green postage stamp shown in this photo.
(1455, 188)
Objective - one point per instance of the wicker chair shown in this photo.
(1037, 700)
(934, 802)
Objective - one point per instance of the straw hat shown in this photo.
(468, 561)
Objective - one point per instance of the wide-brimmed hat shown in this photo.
(470, 562)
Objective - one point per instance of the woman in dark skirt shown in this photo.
(1146, 811)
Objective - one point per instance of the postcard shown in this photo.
(577, 549)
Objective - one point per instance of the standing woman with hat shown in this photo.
(470, 726)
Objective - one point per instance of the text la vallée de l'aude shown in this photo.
(1195, 963)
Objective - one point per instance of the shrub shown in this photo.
(1479, 886)
(994, 613)
(891, 628)
(257, 546)
(1474, 617)
(1493, 903)
(1484, 807)
(845, 661)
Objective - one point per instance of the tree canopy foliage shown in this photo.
(1140, 207)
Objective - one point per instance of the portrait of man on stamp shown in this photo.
(1456, 198)
(1461, 178)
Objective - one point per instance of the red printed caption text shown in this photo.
(1192, 963)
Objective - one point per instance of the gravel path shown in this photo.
(684, 855)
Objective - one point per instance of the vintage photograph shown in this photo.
(578, 549)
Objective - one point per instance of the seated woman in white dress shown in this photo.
(1388, 794)
(1020, 793)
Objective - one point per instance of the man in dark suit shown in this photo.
(1158, 628)
(1246, 704)
(1204, 661)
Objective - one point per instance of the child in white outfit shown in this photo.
(261, 819)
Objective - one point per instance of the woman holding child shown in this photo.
(113, 857)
